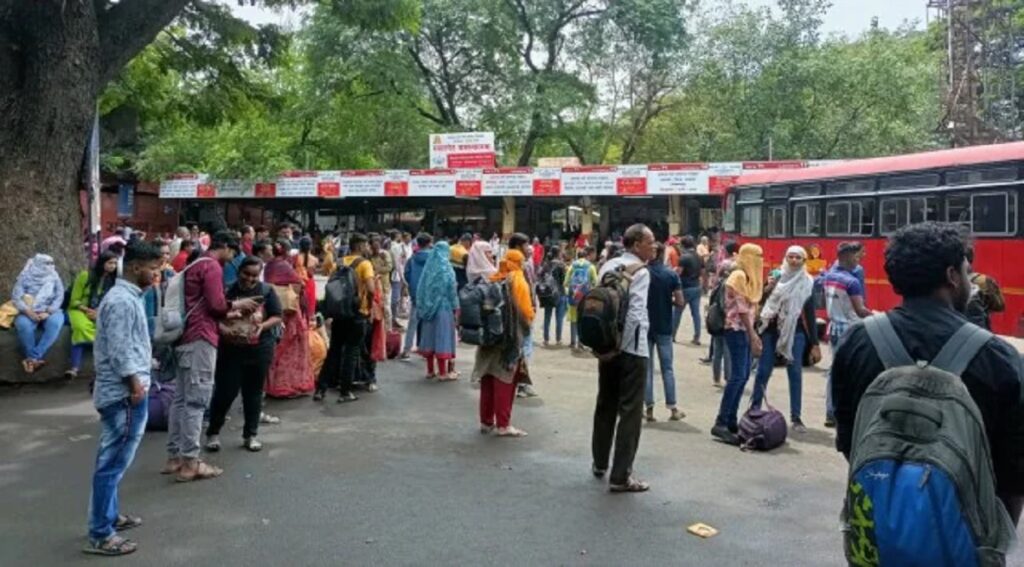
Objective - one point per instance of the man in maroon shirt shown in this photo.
(196, 357)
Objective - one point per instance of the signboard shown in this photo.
(181, 186)
(590, 180)
(206, 191)
(125, 200)
(558, 162)
(677, 178)
(462, 150)
(297, 184)
(721, 176)
(508, 182)
(396, 183)
(632, 180)
(431, 183)
(235, 190)
(468, 183)
(362, 183)
(547, 182)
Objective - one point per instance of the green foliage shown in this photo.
(362, 85)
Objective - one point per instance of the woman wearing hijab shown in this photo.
(436, 303)
(500, 367)
(743, 291)
(290, 373)
(38, 293)
(480, 263)
(89, 288)
(787, 326)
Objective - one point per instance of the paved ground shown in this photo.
(402, 477)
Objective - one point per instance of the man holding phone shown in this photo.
(123, 358)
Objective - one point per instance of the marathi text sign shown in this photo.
(677, 178)
(590, 180)
(508, 182)
(462, 150)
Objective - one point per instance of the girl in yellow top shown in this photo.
(86, 293)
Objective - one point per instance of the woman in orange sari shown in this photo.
(290, 373)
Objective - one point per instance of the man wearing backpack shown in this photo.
(582, 277)
(196, 356)
(927, 265)
(622, 375)
(350, 327)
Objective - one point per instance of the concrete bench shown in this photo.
(57, 359)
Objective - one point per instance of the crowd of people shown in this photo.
(250, 323)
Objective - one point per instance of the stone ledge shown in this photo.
(56, 360)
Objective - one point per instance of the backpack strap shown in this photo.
(961, 348)
(887, 343)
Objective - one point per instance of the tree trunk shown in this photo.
(49, 79)
(55, 56)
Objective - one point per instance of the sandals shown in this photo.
(511, 432)
(631, 485)
(431, 376)
(112, 546)
(450, 377)
(124, 523)
(28, 366)
(485, 429)
(172, 467)
(201, 471)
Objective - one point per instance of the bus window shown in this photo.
(850, 187)
(905, 182)
(987, 214)
(988, 175)
(850, 218)
(806, 219)
(994, 213)
(808, 190)
(900, 212)
(777, 221)
(750, 220)
(729, 216)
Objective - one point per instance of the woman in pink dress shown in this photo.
(290, 373)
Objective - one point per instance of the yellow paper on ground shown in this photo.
(702, 530)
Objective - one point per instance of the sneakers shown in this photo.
(695, 342)
(349, 397)
(213, 443)
(723, 434)
(526, 391)
(798, 426)
(677, 415)
(372, 387)
(649, 415)
(252, 444)
(705, 361)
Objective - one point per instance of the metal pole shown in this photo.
(94, 186)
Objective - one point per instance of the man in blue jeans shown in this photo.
(123, 356)
(690, 270)
(664, 292)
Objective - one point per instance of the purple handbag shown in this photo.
(762, 429)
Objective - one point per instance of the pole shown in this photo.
(94, 186)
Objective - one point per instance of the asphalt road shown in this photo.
(402, 477)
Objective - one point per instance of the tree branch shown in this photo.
(524, 19)
(129, 26)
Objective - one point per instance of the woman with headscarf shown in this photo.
(89, 288)
(290, 372)
(436, 303)
(500, 367)
(788, 327)
(480, 263)
(743, 291)
(38, 293)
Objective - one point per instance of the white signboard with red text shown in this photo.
(572, 181)
(462, 150)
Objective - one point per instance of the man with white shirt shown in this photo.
(398, 258)
(621, 378)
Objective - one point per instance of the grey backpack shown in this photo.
(921, 488)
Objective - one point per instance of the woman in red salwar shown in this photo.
(290, 373)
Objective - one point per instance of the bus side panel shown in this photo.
(1003, 259)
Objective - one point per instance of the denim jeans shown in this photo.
(720, 358)
(692, 297)
(663, 344)
(830, 410)
(36, 349)
(574, 334)
(794, 369)
(559, 312)
(121, 429)
(78, 353)
(410, 329)
(738, 344)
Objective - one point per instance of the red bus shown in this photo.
(867, 200)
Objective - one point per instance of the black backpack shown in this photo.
(482, 306)
(549, 289)
(341, 295)
(715, 320)
(602, 313)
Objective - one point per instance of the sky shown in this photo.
(848, 17)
